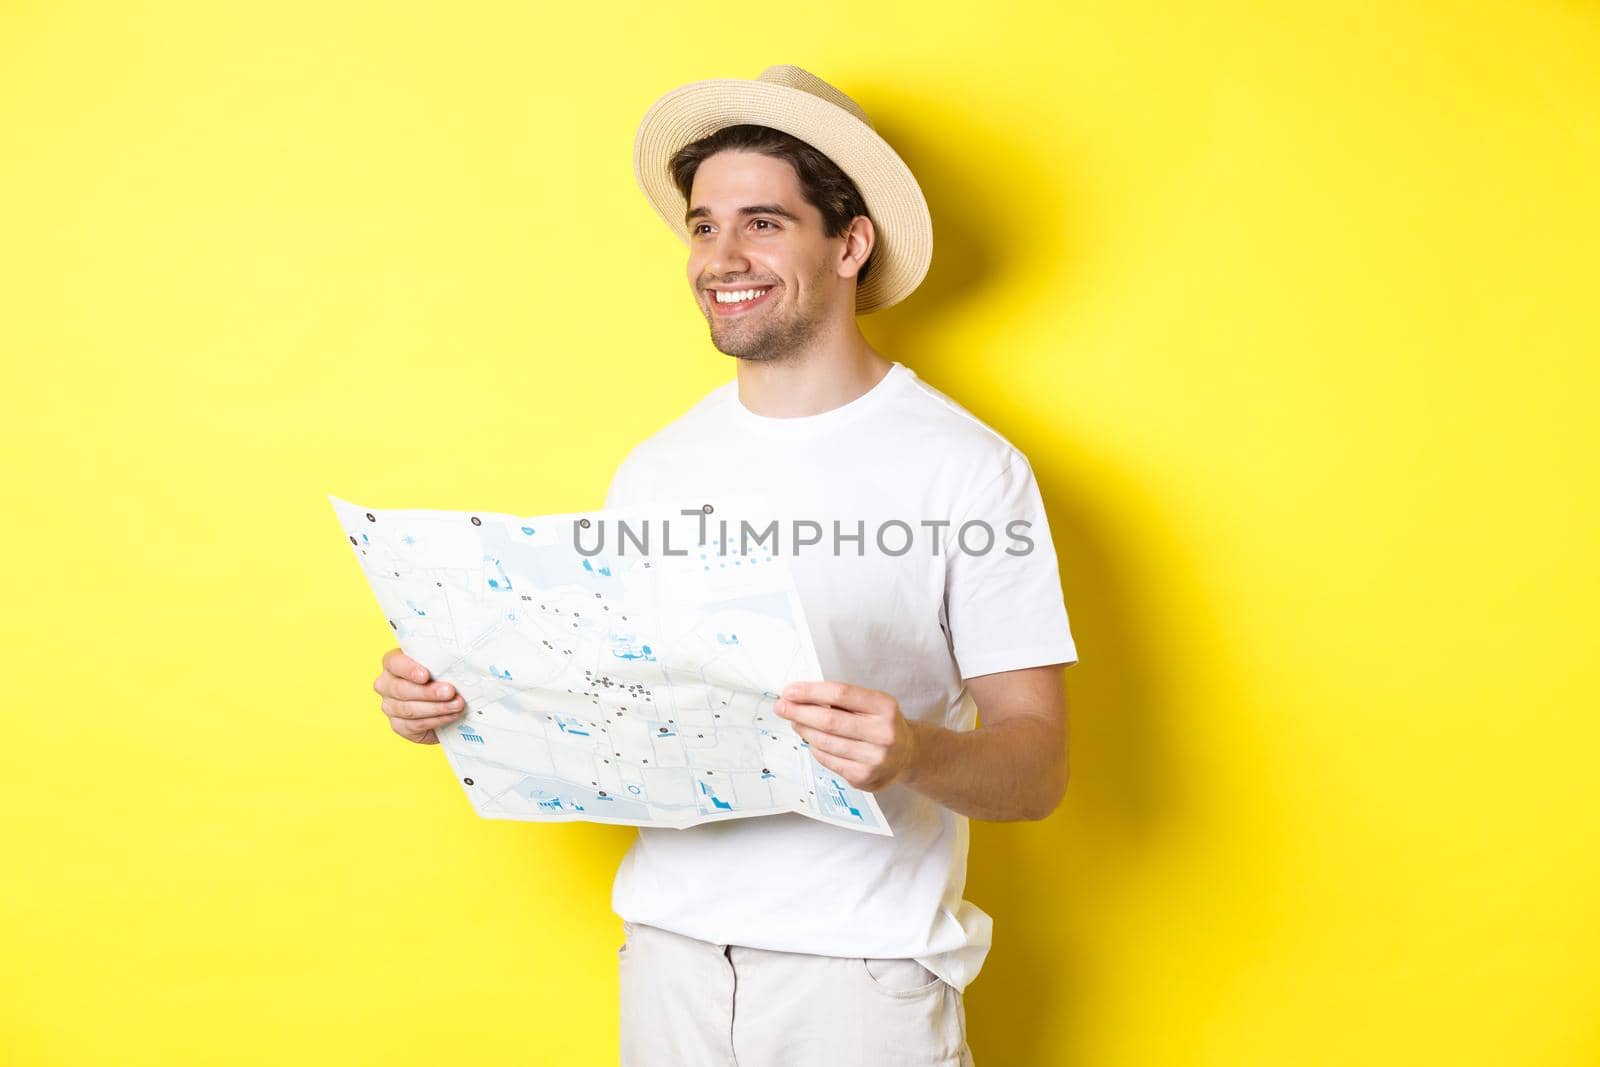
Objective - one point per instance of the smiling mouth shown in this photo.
(741, 306)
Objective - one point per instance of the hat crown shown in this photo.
(794, 77)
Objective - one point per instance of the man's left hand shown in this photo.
(857, 733)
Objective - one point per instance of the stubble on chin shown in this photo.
(772, 344)
(770, 347)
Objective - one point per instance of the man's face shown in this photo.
(778, 247)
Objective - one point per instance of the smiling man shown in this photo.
(784, 940)
(930, 587)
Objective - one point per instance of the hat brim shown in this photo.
(902, 226)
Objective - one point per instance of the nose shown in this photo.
(727, 256)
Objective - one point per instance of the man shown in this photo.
(784, 940)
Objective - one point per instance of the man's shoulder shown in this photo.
(949, 434)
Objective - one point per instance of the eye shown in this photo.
(695, 231)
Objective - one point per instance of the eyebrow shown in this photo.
(750, 209)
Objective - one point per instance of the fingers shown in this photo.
(422, 710)
(422, 731)
(415, 705)
(840, 695)
(403, 678)
(851, 771)
(399, 689)
(424, 737)
(859, 752)
(401, 665)
(836, 721)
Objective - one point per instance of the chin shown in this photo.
(753, 355)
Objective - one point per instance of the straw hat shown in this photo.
(803, 105)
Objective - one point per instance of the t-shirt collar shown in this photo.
(805, 425)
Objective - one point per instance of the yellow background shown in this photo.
(1291, 305)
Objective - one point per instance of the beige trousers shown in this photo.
(691, 1003)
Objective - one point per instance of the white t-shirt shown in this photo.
(911, 621)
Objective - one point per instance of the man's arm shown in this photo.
(1014, 766)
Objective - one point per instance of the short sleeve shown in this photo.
(1003, 600)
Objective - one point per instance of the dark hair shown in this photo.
(823, 185)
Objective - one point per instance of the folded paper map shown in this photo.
(609, 677)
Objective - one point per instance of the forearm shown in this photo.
(1009, 770)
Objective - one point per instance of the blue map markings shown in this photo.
(503, 675)
(571, 725)
(503, 583)
(623, 646)
(716, 801)
(469, 734)
(413, 606)
(844, 801)
(554, 804)
(555, 796)
(727, 639)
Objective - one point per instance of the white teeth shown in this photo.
(738, 296)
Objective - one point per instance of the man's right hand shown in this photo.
(414, 704)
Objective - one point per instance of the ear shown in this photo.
(859, 240)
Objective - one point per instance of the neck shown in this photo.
(812, 382)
